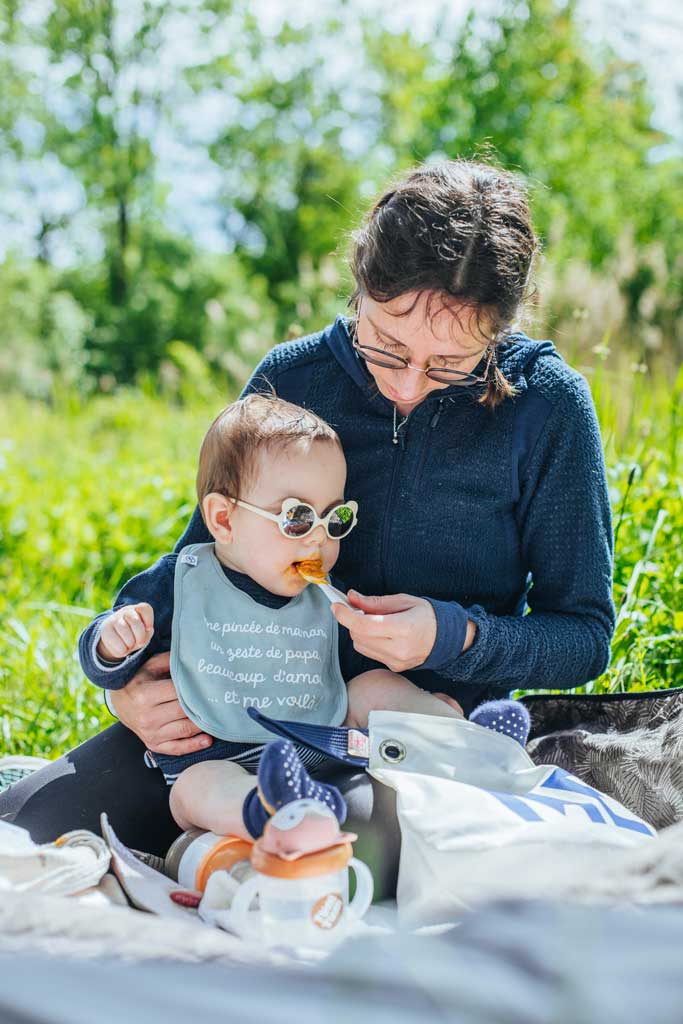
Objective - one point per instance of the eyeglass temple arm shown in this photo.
(258, 511)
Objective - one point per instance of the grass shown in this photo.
(92, 492)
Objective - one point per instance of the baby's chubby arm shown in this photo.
(125, 631)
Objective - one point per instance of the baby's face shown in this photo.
(314, 473)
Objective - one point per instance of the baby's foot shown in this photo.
(282, 779)
(506, 716)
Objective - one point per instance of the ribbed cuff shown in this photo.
(451, 630)
(109, 705)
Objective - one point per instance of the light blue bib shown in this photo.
(229, 653)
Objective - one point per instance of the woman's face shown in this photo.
(448, 338)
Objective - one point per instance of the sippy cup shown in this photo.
(303, 897)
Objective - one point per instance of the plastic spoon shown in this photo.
(333, 595)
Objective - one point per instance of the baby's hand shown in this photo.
(126, 630)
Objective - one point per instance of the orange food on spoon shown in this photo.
(311, 569)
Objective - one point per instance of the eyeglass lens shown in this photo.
(340, 522)
(299, 521)
(392, 362)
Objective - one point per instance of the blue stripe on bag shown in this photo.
(336, 742)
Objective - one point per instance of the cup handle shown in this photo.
(240, 919)
(364, 888)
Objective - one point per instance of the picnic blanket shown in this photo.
(516, 963)
(94, 926)
(627, 745)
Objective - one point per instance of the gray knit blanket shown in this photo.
(629, 746)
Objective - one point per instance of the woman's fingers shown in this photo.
(400, 639)
(179, 727)
(162, 692)
(164, 716)
(170, 731)
(389, 604)
(176, 748)
(363, 625)
(148, 705)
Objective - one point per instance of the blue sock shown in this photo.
(507, 716)
(281, 779)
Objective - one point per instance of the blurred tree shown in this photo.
(289, 185)
(297, 124)
(526, 86)
(89, 110)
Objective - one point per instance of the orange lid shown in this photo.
(323, 862)
(221, 857)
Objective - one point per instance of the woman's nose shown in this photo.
(410, 384)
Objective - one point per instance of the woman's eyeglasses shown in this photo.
(391, 361)
(297, 518)
(441, 374)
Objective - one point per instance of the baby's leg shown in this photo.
(210, 795)
(382, 690)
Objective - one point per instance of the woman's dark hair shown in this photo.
(460, 230)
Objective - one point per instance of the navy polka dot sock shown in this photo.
(281, 779)
(506, 716)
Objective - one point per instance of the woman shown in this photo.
(476, 459)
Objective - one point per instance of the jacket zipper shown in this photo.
(399, 441)
(397, 427)
(435, 418)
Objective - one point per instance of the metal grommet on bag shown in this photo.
(392, 751)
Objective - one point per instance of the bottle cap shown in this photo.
(322, 862)
(222, 856)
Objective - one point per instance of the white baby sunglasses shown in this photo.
(297, 518)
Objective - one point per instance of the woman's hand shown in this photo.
(149, 707)
(398, 630)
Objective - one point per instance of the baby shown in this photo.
(245, 629)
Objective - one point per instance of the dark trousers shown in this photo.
(108, 774)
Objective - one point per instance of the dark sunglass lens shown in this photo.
(298, 521)
(341, 521)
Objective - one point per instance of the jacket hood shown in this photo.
(516, 356)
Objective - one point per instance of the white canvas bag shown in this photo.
(479, 820)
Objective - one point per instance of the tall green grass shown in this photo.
(92, 492)
(641, 419)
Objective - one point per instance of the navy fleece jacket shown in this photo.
(500, 516)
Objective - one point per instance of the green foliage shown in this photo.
(646, 481)
(95, 491)
(127, 331)
(92, 493)
(305, 123)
